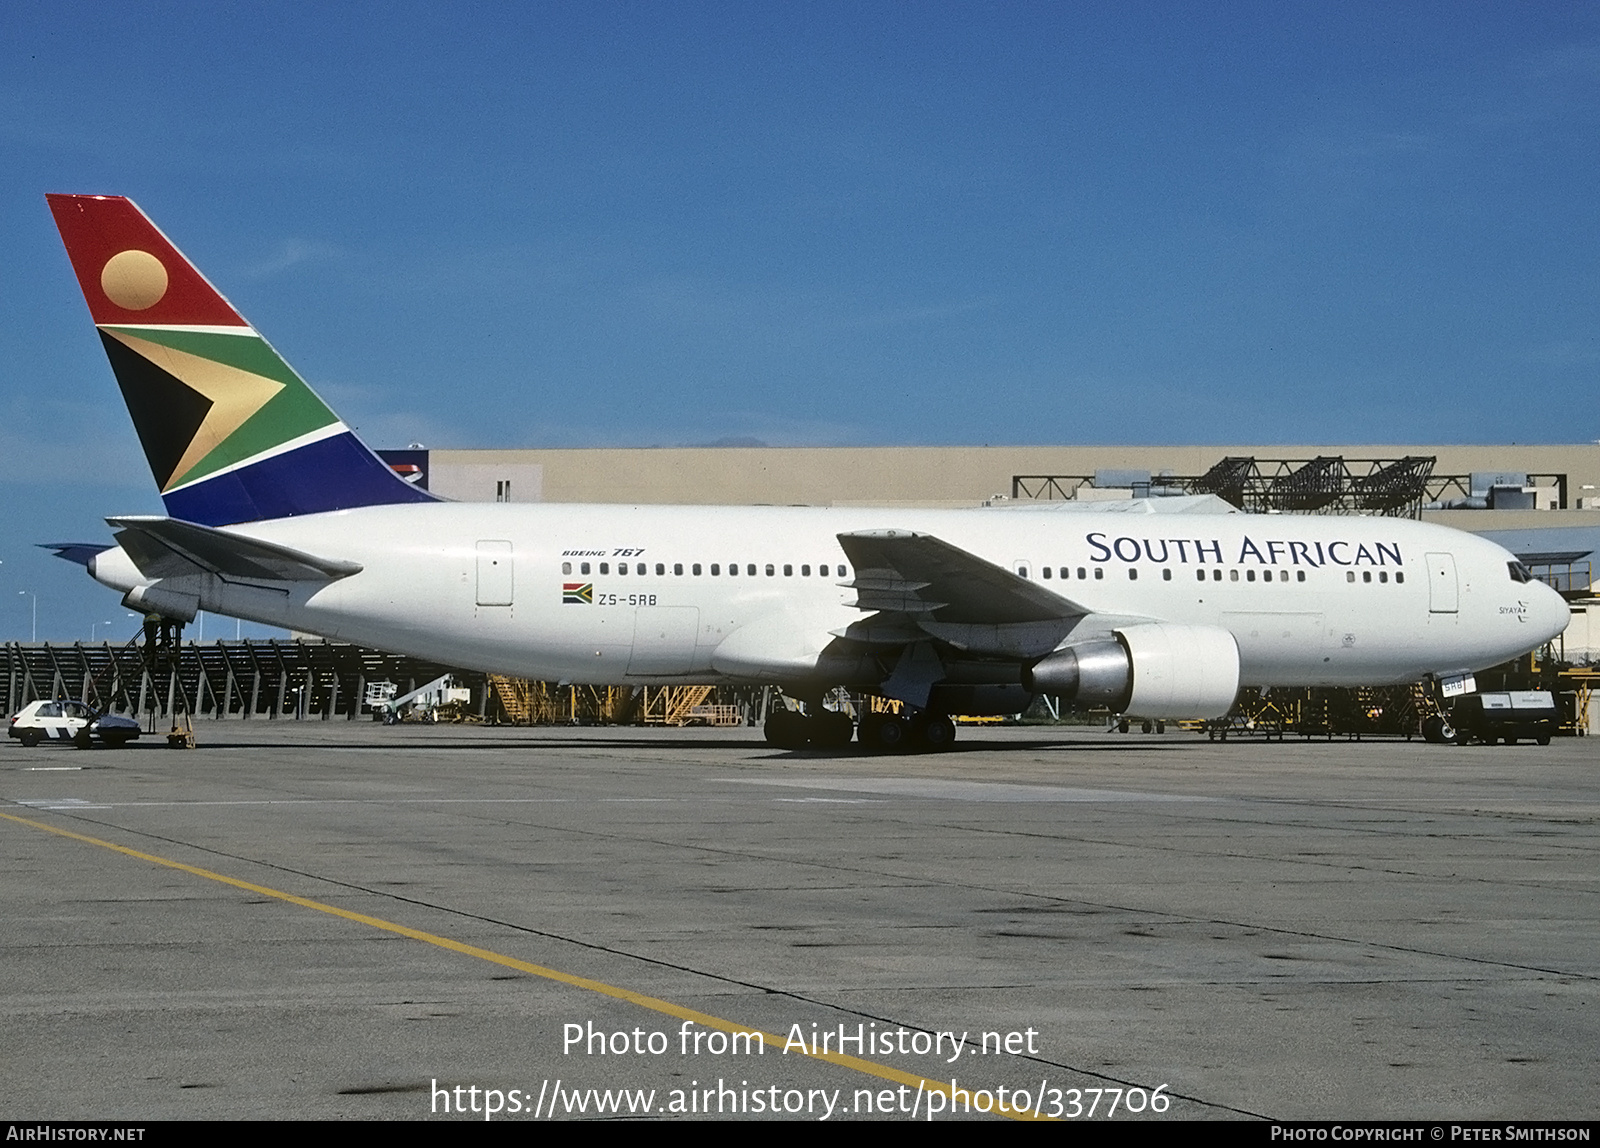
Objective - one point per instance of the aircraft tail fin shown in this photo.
(231, 432)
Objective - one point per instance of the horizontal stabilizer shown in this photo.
(901, 571)
(171, 548)
(79, 552)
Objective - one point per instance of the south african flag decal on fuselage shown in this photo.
(577, 593)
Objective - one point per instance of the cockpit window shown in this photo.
(1519, 572)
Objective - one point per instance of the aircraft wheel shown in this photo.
(1433, 730)
(787, 729)
(883, 733)
(832, 729)
(937, 733)
(1122, 726)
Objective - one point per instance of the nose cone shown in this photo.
(1548, 611)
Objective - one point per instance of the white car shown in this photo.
(63, 720)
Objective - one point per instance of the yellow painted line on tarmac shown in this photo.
(655, 1004)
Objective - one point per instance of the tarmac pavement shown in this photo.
(336, 919)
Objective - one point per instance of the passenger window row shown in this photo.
(751, 569)
(1366, 576)
(1250, 574)
(1066, 572)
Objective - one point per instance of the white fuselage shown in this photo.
(501, 587)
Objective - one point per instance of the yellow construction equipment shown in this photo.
(527, 703)
(686, 705)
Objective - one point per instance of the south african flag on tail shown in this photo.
(231, 433)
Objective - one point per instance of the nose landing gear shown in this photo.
(1437, 729)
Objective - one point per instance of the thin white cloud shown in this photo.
(690, 301)
(291, 253)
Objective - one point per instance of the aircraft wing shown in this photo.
(170, 547)
(903, 572)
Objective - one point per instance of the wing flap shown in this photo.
(903, 572)
(170, 547)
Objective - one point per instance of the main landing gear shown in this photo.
(921, 731)
(824, 729)
(918, 732)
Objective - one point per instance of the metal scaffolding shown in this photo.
(244, 679)
(1327, 484)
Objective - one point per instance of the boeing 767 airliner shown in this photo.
(278, 513)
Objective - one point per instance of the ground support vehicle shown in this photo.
(1517, 715)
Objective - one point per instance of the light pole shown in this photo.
(35, 598)
(92, 625)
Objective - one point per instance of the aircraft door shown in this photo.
(496, 581)
(1442, 589)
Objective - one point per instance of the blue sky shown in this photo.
(660, 224)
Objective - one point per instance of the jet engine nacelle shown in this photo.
(1158, 670)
